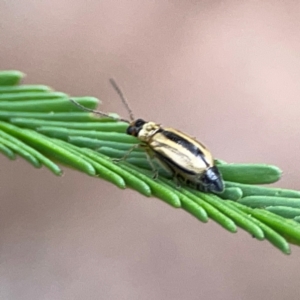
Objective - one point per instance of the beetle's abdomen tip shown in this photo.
(214, 180)
(217, 186)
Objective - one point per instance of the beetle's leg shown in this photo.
(202, 188)
(127, 153)
(177, 181)
(150, 161)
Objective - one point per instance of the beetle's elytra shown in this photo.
(187, 159)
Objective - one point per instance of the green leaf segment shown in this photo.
(44, 127)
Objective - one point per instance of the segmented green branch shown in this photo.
(40, 124)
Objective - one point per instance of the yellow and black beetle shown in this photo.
(187, 159)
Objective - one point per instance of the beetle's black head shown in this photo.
(212, 180)
(135, 127)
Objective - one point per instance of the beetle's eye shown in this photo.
(130, 130)
(139, 123)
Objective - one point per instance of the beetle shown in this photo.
(188, 160)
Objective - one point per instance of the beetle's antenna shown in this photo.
(97, 112)
(118, 90)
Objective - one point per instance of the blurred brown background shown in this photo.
(227, 72)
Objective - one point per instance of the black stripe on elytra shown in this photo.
(184, 143)
(172, 164)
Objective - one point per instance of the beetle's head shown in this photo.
(212, 180)
(142, 130)
(135, 127)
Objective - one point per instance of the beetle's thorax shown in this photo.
(148, 130)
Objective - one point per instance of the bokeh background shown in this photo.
(227, 72)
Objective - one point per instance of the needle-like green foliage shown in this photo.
(43, 126)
